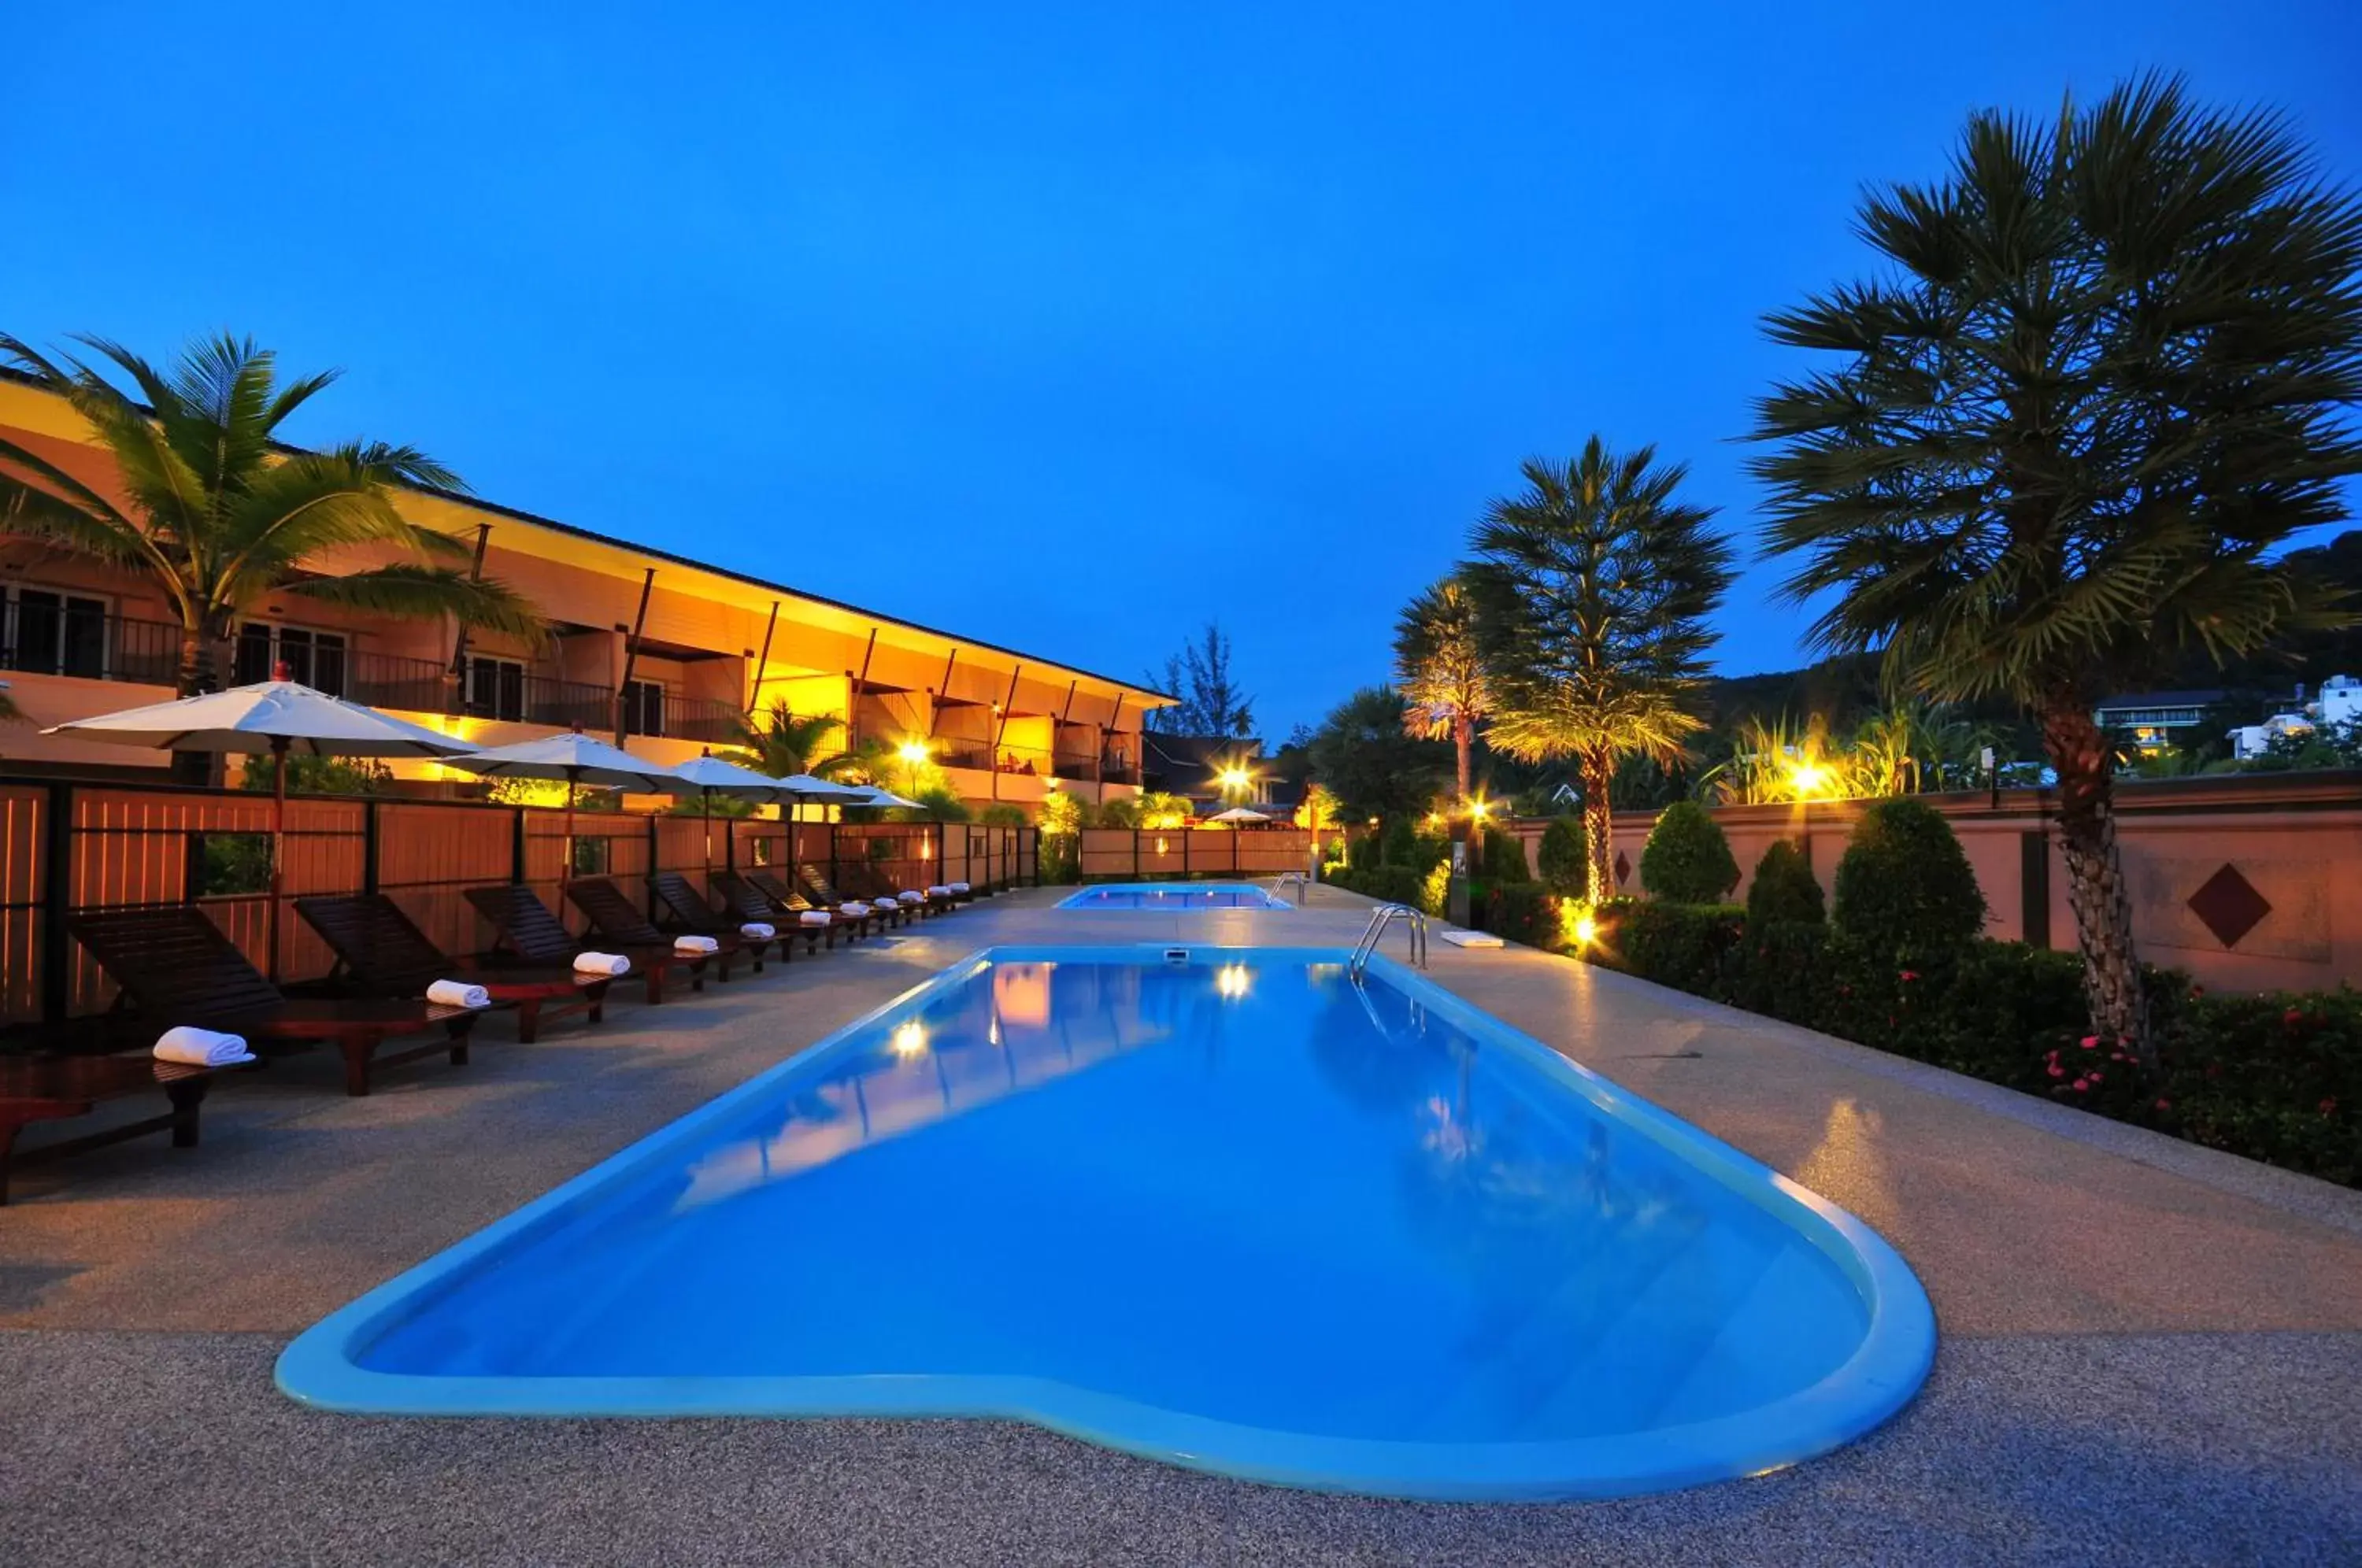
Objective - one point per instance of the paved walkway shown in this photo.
(2151, 1353)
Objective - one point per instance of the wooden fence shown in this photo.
(151, 844)
(1147, 854)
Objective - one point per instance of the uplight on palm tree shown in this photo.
(216, 513)
(1440, 669)
(2096, 391)
(1593, 587)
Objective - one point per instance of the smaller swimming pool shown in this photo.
(1174, 897)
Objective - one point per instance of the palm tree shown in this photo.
(1593, 587)
(1440, 669)
(785, 744)
(2096, 393)
(218, 514)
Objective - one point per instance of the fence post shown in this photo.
(647, 882)
(1185, 852)
(516, 846)
(1135, 854)
(57, 898)
(370, 842)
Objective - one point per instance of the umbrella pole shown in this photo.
(705, 804)
(278, 833)
(566, 870)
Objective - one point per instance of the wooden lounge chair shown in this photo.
(747, 900)
(52, 1089)
(176, 966)
(690, 912)
(385, 953)
(531, 932)
(888, 911)
(617, 918)
(868, 882)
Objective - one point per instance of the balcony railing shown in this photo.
(702, 719)
(41, 639)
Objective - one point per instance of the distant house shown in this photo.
(2152, 720)
(2340, 704)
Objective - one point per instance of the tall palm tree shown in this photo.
(2095, 393)
(1440, 669)
(1593, 588)
(216, 514)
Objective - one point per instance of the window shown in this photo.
(644, 708)
(46, 632)
(495, 687)
(313, 659)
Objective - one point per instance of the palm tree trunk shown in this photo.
(2095, 876)
(1464, 733)
(193, 675)
(1597, 768)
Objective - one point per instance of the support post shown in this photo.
(935, 696)
(852, 698)
(1000, 731)
(762, 663)
(456, 699)
(632, 656)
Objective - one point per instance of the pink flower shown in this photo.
(2057, 1071)
(2329, 1106)
(2081, 1085)
(1909, 974)
(2165, 1105)
(2292, 1017)
(2091, 1043)
(2096, 1074)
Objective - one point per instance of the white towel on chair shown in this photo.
(940, 890)
(961, 888)
(695, 946)
(607, 965)
(815, 917)
(855, 907)
(202, 1047)
(458, 993)
(759, 930)
(912, 898)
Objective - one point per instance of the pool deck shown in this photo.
(2151, 1353)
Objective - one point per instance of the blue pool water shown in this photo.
(1173, 896)
(1239, 1212)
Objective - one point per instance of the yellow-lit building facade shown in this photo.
(677, 653)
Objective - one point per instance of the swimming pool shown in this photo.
(1172, 897)
(1235, 1212)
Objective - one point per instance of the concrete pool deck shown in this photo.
(2151, 1353)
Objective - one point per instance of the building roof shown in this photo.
(1154, 698)
(2158, 699)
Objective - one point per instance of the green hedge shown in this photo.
(2277, 1078)
(1687, 857)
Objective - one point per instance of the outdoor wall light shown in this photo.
(1807, 779)
(1235, 778)
(914, 751)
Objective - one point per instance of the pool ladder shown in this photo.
(1303, 885)
(1382, 917)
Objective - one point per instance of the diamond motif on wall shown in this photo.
(1623, 868)
(2229, 906)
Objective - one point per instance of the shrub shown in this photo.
(1521, 912)
(1688, 860)
(1002, 814)
(1391, 885)
(1680, 946)
(1430, 850)
(1504, 857)
(1785, 887)
(1903, 886)
(1362, 851)
(1562, 858)
(1435, 889)
(1400, 841)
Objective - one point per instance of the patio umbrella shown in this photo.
(1237, 814)
(574, 760)
(712, 775)
(872, 795)
(279, 717)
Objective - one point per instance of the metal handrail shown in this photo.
(1380, 918)
(1303, 885)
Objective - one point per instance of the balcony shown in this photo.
(42, 639)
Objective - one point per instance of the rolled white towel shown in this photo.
(815, 917)
(604, 964)
(695, 946)
(761, 931)
(458, 993)
(200, 1047)
(912, 898)
(962, 888)
(940, 890)
(853, 906)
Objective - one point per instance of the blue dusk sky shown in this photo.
(1069, 327)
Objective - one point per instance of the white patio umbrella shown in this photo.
(574, 760)
(279, 717)
(873, 795)
(1238, 814)
(718, 775)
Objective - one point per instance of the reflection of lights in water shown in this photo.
(992, 1034)
(1448, 1136)
(1161, 848)
(1231, 981)
(909, 1038)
